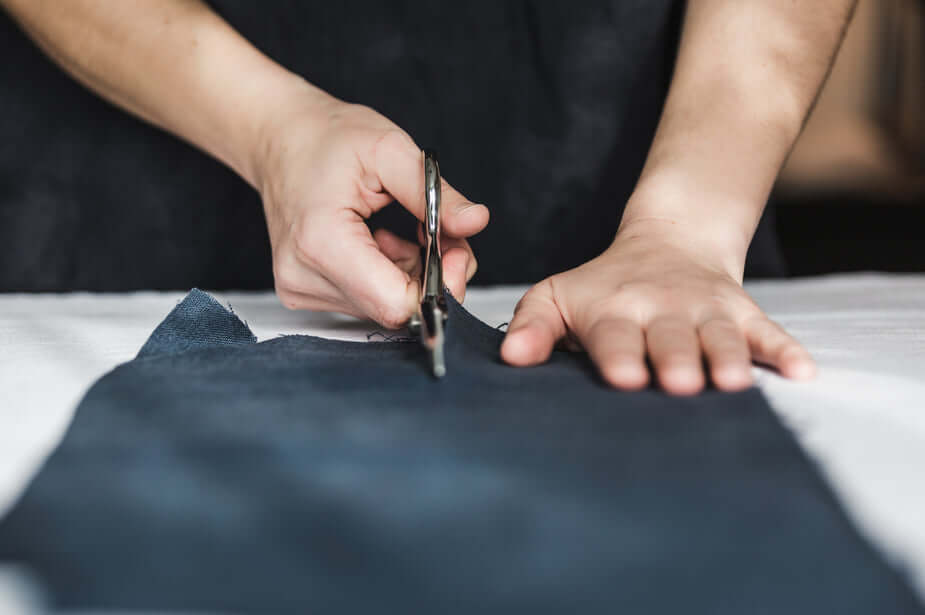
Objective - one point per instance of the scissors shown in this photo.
(429, 323)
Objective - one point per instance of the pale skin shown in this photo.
(668, 291)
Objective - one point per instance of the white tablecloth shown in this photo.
(862, 418)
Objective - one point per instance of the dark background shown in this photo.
(539, 110)
(76, 213)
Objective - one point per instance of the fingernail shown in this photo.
(803, 370)
(628, 375)
(509, 334)
(683, 381)
(734, 377)
(468, 206)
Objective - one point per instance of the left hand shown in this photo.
(657, 291)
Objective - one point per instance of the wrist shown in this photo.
(713, 226)
(289, 99)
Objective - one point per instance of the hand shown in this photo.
(655, 292)
(327, 166)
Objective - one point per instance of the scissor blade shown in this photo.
(433, 319)
(433, 301)
(437, 361)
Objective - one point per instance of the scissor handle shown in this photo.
(433, 262)
(431, 192)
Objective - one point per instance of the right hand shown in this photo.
(325, 166)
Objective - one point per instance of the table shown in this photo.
(862, 419)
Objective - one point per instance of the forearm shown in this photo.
(174, 63)
(747, 75)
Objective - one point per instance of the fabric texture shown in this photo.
(544, 111)
(197, 322)
(308, 475)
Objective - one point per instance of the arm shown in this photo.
(173, 63)
(178, 65)
(746, 77)
(669, 287)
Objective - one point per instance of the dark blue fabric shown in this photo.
(306, 475)
(199, 321)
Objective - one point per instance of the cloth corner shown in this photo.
(198, 321)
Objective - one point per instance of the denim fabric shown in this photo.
(307, 475)
(199, 321)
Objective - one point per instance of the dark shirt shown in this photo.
(544, 111)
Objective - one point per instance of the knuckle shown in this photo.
(358, 109)
(536, 295)
(285, 279)
(289, 274)
(290, 300)
(761, 325)
(627, 300)
(451, 192)
(672, 326)
(730, 353)
(676, 359)
(353, 116)
(605, 308)
(722, 334)
(393, 140)
(304, 250)
(719, 325)
(391, 317)
(526, 300)
(309, 245)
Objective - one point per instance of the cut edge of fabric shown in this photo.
(460, 319)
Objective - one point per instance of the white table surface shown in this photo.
(862, 418)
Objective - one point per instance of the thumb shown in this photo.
(536, 327)
(398, 165)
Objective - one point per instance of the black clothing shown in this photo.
(544, 111)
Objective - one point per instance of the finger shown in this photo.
(348, 256)
(617, 347)
(293, 277)
(455, 263)
(773, 346)
(536, 327)
(727, 354)
(405, 254)
(301, 301)
(448, 243)
(462, 266)
(398, 165)
(673, 346)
